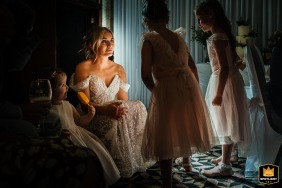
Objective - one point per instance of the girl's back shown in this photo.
(172, 39)
(178, 117)
(170, 51)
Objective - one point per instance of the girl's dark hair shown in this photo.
(220, 19)
(155, 10)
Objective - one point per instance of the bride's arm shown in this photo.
(122, 94)
(113, 110)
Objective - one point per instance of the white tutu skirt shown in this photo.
(231, 119)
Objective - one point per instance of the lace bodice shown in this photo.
(99, 91)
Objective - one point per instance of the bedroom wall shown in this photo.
(265, 16)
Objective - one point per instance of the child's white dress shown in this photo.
(81, 137)
(178, 122)
(231, 119)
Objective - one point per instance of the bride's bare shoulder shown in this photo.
(119, 69)
(84, 65)
(82, 70)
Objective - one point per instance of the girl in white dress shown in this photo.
(73, 122)
(119, 122)
(225, 95)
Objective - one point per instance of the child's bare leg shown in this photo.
(233, 158)
(226, 153)
(166, 173)
(186, 163)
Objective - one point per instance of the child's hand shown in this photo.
(91, 110)
(241, 64)
(217, 101)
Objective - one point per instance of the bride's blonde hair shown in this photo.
(92, 41)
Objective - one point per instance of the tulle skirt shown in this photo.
(231, 119)
(178, 122)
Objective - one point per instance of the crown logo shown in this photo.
(268, 172)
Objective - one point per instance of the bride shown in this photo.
(119, 122)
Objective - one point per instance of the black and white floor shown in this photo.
(181, 179)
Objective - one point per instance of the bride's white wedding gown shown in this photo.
(122, 138)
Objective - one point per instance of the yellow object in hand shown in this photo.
(83, 98)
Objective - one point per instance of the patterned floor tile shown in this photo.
(181, 179)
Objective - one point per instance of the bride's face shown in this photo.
(107, 45)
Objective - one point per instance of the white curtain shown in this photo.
(265, 17)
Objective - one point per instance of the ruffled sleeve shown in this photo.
(181, 31)
(79, 86)
(147, 36)
(124, 86)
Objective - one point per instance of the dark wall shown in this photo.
(60, 26)
(43, 55)
(70, 30)
(72, 24)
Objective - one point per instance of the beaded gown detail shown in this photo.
(178, 122)
(122, 138)
(231, 119)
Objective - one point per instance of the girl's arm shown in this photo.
(220, 46)
(83, 120)
(193, 67)
(147, 63)
(122, 95)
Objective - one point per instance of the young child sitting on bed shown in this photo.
(73, 122)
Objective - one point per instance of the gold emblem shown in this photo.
(268, 172)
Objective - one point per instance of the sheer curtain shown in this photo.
(265, 17)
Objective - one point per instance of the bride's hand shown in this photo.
(121, 111)
(115, 110)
